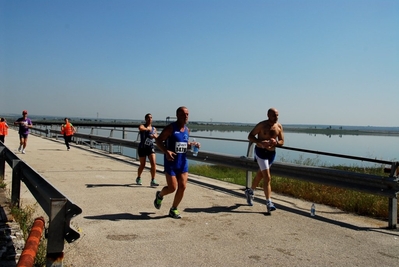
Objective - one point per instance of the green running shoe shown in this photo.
(174, 213)
(158, 200)
(154, 183)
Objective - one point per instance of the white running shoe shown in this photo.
(249, 194)
(19, 148)
(270, 206)
(23, 151)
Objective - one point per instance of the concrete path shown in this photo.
(119, 225)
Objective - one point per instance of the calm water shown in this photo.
(375, 147)
(368, 146)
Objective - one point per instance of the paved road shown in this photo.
(120, 227)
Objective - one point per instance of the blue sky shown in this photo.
(317, 62)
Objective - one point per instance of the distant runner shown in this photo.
(24, 124)
(67, 130)
(3, 129)
(148, 134)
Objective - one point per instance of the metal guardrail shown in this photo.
(373, 184)
(57, 206)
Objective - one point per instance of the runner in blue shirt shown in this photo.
(174, 143)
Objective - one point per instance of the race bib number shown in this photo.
(148, 142)
(181, 147)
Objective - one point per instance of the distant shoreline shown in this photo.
(305, 130)
(343, 132)
(243, 127)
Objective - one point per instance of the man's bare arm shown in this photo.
(252, 135)
(280, 136)
(167, 131)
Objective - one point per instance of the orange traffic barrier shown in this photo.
(28, 255)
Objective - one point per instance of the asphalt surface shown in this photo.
(119, 225)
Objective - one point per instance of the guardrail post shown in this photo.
(111, 146)
(56, 232)
(250, 154)
(16, 182)
(91, 141)
(57, 131)
(137, 148)
(393, 202)
(2, 161)
(124, 134)
(393, 213)
(55, 259)
(76, 139)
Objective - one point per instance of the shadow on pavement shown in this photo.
(126, 216)
(111, 185)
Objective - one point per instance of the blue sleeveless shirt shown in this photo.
(178, 143)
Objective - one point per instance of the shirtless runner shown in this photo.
(267, 135)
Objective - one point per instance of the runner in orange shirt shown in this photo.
(3, 129)
(67, 130)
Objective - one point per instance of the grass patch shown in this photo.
(223, 173)
(24, 216)
(344, 199)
